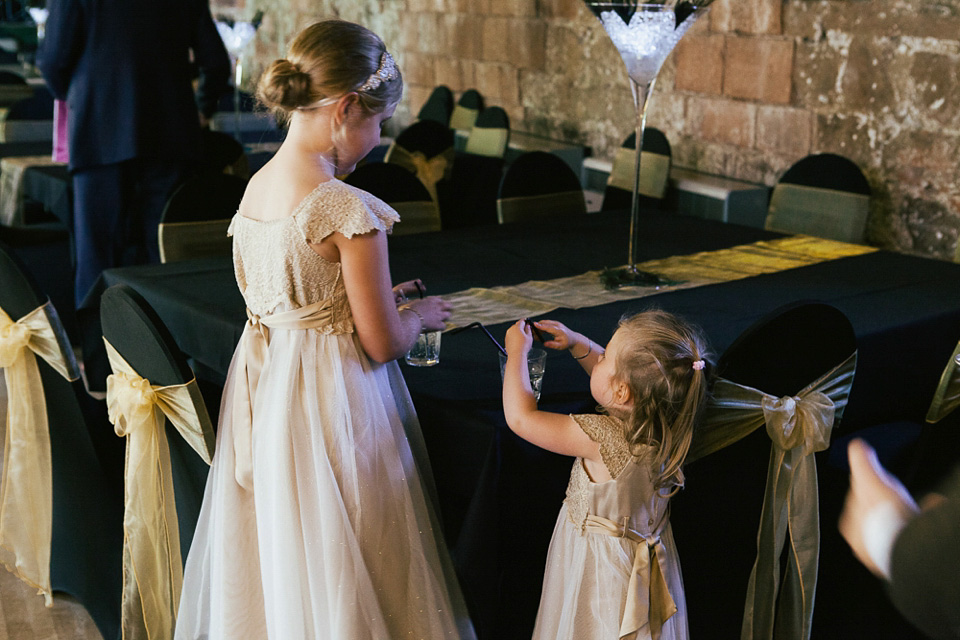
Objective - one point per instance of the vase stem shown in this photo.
(641, 98)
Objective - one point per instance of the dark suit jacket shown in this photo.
(925, 567)
(124, 68)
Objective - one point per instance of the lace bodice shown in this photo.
(629, 492)
(277, 270)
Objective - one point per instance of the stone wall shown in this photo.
(754, 86)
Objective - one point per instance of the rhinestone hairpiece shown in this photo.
(386, 71)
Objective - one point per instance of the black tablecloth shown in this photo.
(498, 494)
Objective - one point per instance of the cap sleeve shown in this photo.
(337, 207)
(607, 432)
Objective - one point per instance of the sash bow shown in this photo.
(649, 603)
(428, 170)
(26, 487)
(152, 563)
(798, 426)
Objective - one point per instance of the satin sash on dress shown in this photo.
(798, 427)
(252, 356)
(152, 564)
(26, 488)
(649, 603)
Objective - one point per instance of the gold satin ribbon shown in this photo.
(26, 487)
(649, 603)
(252, 356)
(947, 396)
(429, 170)
(152, 564)
(798, 426)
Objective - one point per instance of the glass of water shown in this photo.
(536, 363)
(425, 352)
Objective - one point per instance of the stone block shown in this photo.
(726, 121)
(514, 8)
(757, 68)
(699, 60)
(463, 35)
(498, 82)
(784, 131)
(563, 9)
(936, 84)
(418, 69)
(760, 17)
(459, 75)
(521, 41)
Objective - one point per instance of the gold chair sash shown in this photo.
(947, 396)
(654, 172)
(252, 356)
(429, 170)
(488, 142)
(26, 487)
(649, 603)
(152, 564)
(798, 426)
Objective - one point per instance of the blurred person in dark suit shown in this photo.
(126, 70)
(915, 549)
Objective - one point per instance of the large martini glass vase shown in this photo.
(644, 35)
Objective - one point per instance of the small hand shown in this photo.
(435, 311)
(870, 486)
(519, 339)
(408, 290)
(562, 336)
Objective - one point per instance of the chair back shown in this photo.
(132, 327)
(138, 334)
(425, 149)
(438, 107)
(222, 153)
(824, 195)
(86, 464)
(467, 110)
(655, 163)
(539, 185)
(196, 217)
(490, 134)
(780, 355)
(403, 191)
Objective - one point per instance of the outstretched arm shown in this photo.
(554, 432)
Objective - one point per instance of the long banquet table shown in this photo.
(499, 496)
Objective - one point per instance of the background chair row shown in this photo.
(88, 457)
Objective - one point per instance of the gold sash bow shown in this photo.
(947, 396)
(152, 564)
(798, 426)
(252, 356)
(26, 488)
(429, 170)
(649, 603)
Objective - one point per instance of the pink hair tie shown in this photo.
(698, 365)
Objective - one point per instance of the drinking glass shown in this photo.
(425, 352)
(536, 364)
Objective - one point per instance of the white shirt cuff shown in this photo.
(880, 529)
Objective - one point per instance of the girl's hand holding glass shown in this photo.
(408, 290)
(433, 311)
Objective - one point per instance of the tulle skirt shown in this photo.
(337, 538)
(585, 585)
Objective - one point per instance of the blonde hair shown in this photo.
(326, 60)
(656, 361)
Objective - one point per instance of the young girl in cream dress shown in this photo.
(612, 568)
(317, 521)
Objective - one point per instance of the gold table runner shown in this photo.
(535, 297)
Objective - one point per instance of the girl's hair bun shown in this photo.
(284, 86)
